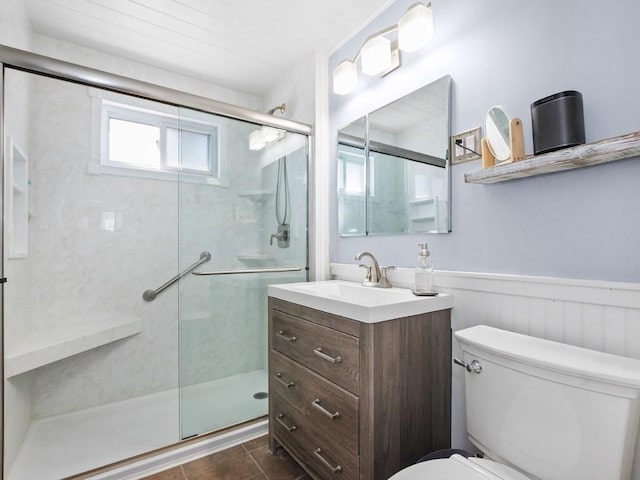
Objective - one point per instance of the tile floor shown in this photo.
(248, 461)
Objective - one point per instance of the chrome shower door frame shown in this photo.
(21, 60)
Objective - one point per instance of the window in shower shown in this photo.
(138, 138)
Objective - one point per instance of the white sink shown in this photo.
(353, 300)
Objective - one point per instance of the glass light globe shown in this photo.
(376, 55)
(345, 77)
(256, 140)
(415, 28)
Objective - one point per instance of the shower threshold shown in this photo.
(68, 444)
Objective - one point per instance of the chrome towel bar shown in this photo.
(253, 270)
(150, 295)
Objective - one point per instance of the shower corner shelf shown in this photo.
(40, 352)
(258, 196)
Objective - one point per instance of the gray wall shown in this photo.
(578, 224)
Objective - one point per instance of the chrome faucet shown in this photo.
(376, 276)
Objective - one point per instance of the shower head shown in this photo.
(281, 107)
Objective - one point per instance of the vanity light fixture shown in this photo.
(379, 56)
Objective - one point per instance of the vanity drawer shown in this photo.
(332, 410)
(342, 324)
(332, 354)
(326, 458)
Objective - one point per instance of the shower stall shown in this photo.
(141, 227)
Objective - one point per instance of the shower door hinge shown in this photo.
(3, 280)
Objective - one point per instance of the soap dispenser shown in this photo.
(424, 272)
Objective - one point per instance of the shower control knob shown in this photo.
(474, 367)
(282, 236)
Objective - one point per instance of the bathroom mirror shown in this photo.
(497, 131)
(393, 175)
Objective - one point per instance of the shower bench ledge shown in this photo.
(37, 352)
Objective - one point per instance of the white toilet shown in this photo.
(542, 410)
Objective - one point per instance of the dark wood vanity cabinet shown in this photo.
(351, 400)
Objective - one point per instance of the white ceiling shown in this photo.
(246, 45)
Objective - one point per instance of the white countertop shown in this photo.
(364, 304)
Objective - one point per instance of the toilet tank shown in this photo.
(551, 410)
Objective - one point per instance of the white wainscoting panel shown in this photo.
(592, 314)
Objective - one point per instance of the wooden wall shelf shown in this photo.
(609, 150)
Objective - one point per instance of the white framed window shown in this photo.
(142, 138)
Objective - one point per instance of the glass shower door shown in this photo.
(91, 368)
(250, 213)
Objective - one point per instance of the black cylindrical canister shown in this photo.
(557, 122)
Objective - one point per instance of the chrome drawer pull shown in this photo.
(278, 378)
(282, 335)
(281, 422)
(318, 352)
(318, 453)
(332, 416)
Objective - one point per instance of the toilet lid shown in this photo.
(458, 468)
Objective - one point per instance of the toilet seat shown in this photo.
(458, 468)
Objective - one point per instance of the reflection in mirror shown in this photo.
(407, 175)
(351, 179)
(497, 131)
(406, 196)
